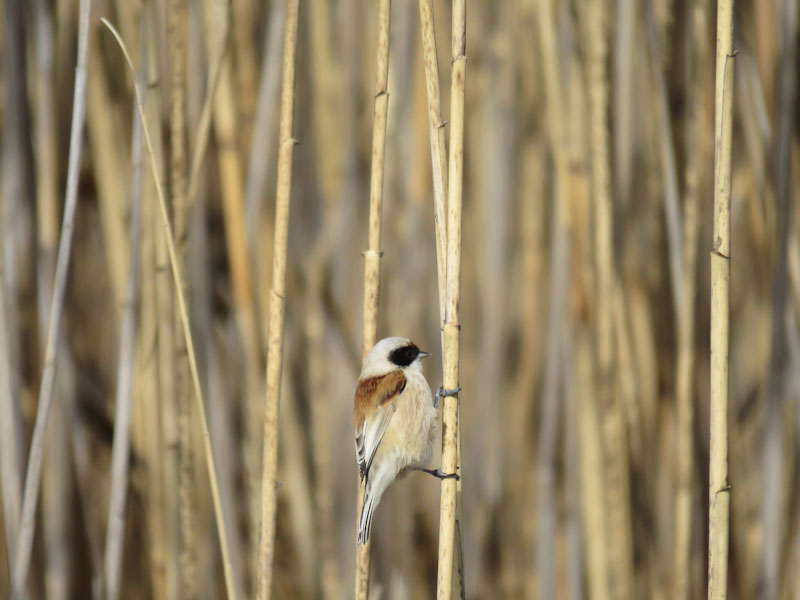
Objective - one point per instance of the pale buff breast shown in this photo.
(413, 428)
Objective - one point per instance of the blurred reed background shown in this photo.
(588, 187)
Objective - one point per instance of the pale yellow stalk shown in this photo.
(269, 491)
(449, 521)
(184, 317)
(718, 487)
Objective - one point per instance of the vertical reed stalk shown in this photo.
(449, 520)
(669, 174)
(616, 487)
(775, 448)
(718, 486)
(684, 378)
(178, 30)
(372, 256)
(438, 145)
(126, 361)
(184, 322)
(33, 477)
(558, 278)
(165, 334)
(10, 428)
(269, 490)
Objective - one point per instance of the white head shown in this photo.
(390, 354)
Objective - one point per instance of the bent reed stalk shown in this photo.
(183, 313)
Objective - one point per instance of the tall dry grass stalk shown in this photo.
(372, 256)
(776, 446)
(184, 320)
(277, 300)
(618, 534)
(120, 453)
(558, 281)
(719, 490)
(449, 513)
(684, 377)
(30, 496)
(438, 145)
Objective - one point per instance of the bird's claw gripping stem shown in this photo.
(440, 475)
(441, 393)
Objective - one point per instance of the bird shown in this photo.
(396, 420)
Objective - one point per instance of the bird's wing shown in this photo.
(374, 406)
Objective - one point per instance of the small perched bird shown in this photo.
(395, 419)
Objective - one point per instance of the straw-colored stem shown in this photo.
(775, 444)
(184, 316)
(684, 402)
(115, 531)
(10, 443)
(669, 174)
(616, 488)
(269, 491)
(372, 256)
(109, 158)
(33, 476)
(558, 277)
(449, 521)
(438, 145)
(178, 29)
(718, 486)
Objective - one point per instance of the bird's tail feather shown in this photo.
(365, 523)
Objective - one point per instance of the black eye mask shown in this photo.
(405, 355)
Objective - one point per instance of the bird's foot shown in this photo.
(440, 475)
(441, 393)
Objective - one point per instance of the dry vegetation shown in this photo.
(584, 305)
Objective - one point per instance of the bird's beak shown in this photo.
(424, 354)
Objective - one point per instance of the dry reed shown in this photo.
(372, 256)
(719, 489)
(30, 495)
(449, 513)
(184, 319)
(277, 299)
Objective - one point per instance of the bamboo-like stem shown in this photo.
(449, 521)
(616, 487)
(165, 334)
(115, 531)
(772, 511)
(183, 313)
(718, 486)
(269, 491)
(33, 476)
(438, 145)
(372, 256)
(684, 377)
